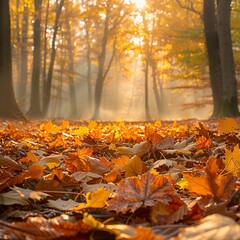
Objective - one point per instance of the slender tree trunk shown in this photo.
(71, 85)
(35, 108)
(147, 112)
(48, 85)
(89, 69)
(230, 97)
(100, 76)
(155, 89)
(22, 91)
(44, 69)
(213, 51)
(8, 104)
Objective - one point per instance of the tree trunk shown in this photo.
(100, 76)
(155, 89)
(8, 104)
(35, 108)
(89, 69)
(147, 112)
(22, 90)
(213, 51)
(71, 83)
(230, 97)
(48, 85)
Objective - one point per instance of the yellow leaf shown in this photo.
(232, 161)
(95, 199)
(133, 167)
(228, 125)
(92, 222)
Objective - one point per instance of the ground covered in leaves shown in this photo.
(98, 180)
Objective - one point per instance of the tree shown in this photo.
(48, 84)
(35, 108)
(230, 96)
(8, 105)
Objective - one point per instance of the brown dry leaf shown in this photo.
(133, 167)
(98, 165)
(136, 192)
(85, 177)
(9, 163)
(138, 149)
(213, 227)
(232, 161)
(228, 125)
(144, 234)
(21, 196)
(62, 204)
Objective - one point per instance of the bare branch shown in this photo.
(190, 8)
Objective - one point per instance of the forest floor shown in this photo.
(120, 180)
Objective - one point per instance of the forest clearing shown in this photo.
(119, 180)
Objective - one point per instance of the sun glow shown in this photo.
(140, 4)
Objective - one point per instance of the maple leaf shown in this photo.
(133, 166)
(232, 161)
(198, 184)
(211, 183)
(136, 192)
(203, 142)
(95, 199)
(228, 125)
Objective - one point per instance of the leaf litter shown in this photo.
(120, 180)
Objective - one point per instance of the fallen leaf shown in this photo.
(10, 163)
(138, 149)
(144, 234)
(21, 196)
(228, 125)
(232, 161)
(213, 227)
(133, 166)
(136, 192)
(95, 199)
(62, 204)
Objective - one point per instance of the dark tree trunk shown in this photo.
(48, 85)
(230, 97)
(22, 90)
(8, 104)
(35, 108)
(213, 51)
(147, 112)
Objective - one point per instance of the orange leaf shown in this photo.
(203, 142)
(228, 125)
(133, 167)
(136, 192)
(198, 184)
(144, 234)
(34, 172)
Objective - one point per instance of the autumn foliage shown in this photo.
(98, 180)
